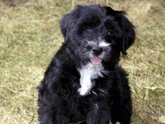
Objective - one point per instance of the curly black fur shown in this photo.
(108, 98)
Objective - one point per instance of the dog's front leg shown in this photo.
(99, 114)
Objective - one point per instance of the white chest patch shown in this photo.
(88, 72)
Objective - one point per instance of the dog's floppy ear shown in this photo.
(128, 34)
(69, 20)
(125, 25)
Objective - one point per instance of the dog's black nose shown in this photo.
(97, 51)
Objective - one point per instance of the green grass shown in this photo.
(30, 36)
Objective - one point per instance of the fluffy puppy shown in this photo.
(84, 83)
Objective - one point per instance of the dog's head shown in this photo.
(97, 34)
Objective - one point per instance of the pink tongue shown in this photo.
(96, 60)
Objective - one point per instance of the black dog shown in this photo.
(84, 83)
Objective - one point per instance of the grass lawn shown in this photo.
(30, 36)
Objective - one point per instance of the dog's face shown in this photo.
(97, 34)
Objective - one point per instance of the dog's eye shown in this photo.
(89, 47)
(109, 33)
(87, 28)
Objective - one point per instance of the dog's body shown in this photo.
(84, 82)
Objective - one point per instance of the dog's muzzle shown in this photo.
(97, 51)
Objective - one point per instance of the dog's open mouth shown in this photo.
(96, 60)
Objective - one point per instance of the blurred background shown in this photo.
(30, 36)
